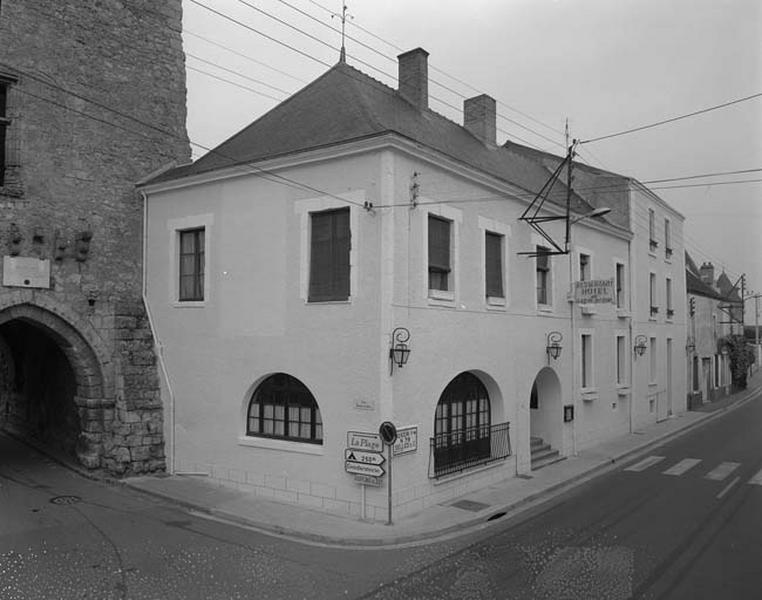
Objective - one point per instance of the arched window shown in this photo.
(462, 425)
(282, 407)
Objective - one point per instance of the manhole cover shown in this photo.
(65, 500)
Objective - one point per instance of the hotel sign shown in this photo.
(24, 271)
(594, 291)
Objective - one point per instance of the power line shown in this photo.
(673, 119)
(258, 81)
(238, 85)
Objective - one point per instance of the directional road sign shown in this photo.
(362, 440)
(368, 458)
(363, 469)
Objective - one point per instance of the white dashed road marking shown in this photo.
(727, 487)
(721, 472)
(645, 463)
(683, 466)
(757, 479)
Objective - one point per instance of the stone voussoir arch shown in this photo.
(75, 335)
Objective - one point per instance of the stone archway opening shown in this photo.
(546, 417)
(51, 389)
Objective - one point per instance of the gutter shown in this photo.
(157, 344)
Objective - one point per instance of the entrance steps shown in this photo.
(542, 454)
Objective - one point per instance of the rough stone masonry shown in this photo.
(94, 100)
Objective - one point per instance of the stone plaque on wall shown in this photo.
(26, 271)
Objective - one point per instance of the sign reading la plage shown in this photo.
(594, 291)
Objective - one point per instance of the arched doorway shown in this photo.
(545, 416)
(51, 387)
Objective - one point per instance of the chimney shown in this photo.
(707, 274)
(480, 118)
(414, 77)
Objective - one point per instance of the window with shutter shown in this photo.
(543, 275)
(439, 253)
(191, 265)
(329, 255)
(493, 255)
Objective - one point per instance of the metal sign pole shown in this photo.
(389, 486)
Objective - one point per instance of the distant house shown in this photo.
(287, 266)
(708, 322)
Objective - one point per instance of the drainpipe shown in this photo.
(630, 300)
(157, 345)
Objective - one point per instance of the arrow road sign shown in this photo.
(363, 469)
(368, 458)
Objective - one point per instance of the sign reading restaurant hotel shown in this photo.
(26, 271)
(594, 291)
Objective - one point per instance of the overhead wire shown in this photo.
(673, 119)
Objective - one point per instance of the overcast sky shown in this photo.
(606, 65)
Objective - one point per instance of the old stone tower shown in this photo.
(92, 99)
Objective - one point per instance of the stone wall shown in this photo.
(96, 103)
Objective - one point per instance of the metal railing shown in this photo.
(463, 449)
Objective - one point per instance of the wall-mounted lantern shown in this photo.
(399, 351)
(553, 345)
(690, 345)
(640, 345)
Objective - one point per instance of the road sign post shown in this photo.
(388, 433)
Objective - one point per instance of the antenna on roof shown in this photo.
(343, 16)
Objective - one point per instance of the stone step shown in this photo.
(544, 453)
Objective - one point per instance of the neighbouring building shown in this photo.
(709, 322)
(352, 224)
(92, 98)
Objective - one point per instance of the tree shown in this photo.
(741, 358)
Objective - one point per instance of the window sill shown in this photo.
(189, 303)
(589, 394)
(546, 308)
(496, 303)
(324, 302)
(442, 295)
(623, 390)
(281, 445)
(653, 383)
(588, 309)
(623, 313)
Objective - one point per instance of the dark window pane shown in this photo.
(439, 244)
(330, 244)
(191, 265)
(494, 264)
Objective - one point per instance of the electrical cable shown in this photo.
(673, 119)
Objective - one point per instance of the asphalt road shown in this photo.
(638, 532)
(682, 522)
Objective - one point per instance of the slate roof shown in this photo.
(345, 105)
(727, 290)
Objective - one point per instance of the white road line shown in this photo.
(645, 463)
(683, 466)
(721, 472)
(727, 487)
(757, 479)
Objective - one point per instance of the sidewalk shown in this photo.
(470, 511)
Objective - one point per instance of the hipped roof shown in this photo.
(345, 105)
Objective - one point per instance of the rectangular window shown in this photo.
(191, 265)
(652, 352)
(493, 256)
(667, 238)
(587, 360)
(652, 229)
(329, 255)
(620, 285)
(4, 123)
(716, 370)
(652, 293)
(621, 364)
(543, 275)
(668, 289)
(584, 267)
(440, 257)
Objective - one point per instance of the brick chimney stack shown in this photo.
(707, 274)
(414, 77)
(480, 118)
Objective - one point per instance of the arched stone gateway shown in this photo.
(52, 385)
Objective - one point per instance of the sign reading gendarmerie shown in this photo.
(594, 291)
(407, 440)
(26, 271)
